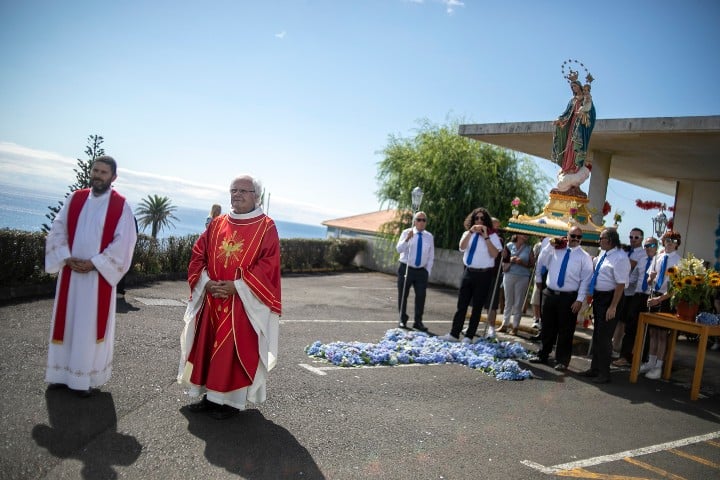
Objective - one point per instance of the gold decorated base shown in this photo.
(561, 213)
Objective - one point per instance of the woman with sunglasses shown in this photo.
(659, 301)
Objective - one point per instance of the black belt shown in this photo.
(412, 268)
(603, 292)
(489, 269)
(641, 295)
(550, 291)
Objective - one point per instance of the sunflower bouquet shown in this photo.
(692, 282)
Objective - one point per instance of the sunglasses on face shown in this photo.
(650, 245)
(421, 219)
(573, 236)
(633, 237)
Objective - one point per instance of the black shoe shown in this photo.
(203, 405)
(560, 367)
(536, 338)
(589, 373)
(536, 359)
(402, 325)
(420, 327)
(601, 379)
(223, 412)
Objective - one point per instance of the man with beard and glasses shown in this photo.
(90, 245)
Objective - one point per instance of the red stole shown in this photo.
(115, 208)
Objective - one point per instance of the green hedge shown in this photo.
(22, 256)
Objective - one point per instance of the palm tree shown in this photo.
(157, 212)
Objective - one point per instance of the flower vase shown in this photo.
(686, 311)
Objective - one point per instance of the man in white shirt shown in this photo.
(569, 269)
(610, 275)
(417, 254)
(480, 245)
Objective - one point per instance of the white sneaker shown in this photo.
(490, 332)
(448, 338)
(646, 367)
(715, 347)
(466, 341)
(615, 355)
(536, 324)
(654, 374)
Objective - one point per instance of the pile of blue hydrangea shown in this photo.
(707, 318)
(403, 347)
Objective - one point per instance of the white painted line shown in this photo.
(160, 302)
(322, 370)
(314, 370)
(589, 462)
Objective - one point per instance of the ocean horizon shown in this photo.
(25, 209)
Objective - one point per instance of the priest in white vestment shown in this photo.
(90, 245)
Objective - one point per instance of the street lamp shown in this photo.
(417, 196)
(659, 223)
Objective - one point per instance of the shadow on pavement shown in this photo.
(75, 422)
(253, 447)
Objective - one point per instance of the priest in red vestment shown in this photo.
(230, 339)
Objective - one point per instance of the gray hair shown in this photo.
(257, 186)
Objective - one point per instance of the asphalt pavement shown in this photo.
(324, 422)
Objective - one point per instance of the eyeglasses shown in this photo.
(650, 245)
(576, 237)
(240, 191)
(421, 219)
(670, 240)
(633, 237)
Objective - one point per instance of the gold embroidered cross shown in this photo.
(230, 248)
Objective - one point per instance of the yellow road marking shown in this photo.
(654, 469)
(695, 458)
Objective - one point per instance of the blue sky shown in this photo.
(304, 93)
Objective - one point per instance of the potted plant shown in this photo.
(691, 286)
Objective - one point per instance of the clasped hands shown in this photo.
(221, 289)
(79, 265)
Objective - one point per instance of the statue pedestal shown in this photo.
(561, 213)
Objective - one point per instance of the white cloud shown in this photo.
(281, 35)
(53, 173)
(451, 4)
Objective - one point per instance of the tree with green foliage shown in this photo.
(456, 174)
(156, 212)
(82, 175)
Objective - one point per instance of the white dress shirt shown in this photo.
(615, 270)
(409, 249)
(481, 256)
(577, 275)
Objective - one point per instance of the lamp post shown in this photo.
(660, 221)
(417, 196)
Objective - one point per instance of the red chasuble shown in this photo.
(225, 352)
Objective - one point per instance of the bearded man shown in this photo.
(90, 245)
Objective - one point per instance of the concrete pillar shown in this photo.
(597, 191)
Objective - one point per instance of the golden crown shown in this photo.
(572, 75)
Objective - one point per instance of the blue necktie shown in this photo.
(473, 246)
(563, 268)
(418, 254)
(591, 289)
(661, 274)
(645, 277)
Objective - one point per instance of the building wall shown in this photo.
(381, 256)
(697, 218)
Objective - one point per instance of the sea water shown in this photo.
(26, 209)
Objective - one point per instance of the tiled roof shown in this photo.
(366, 223)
